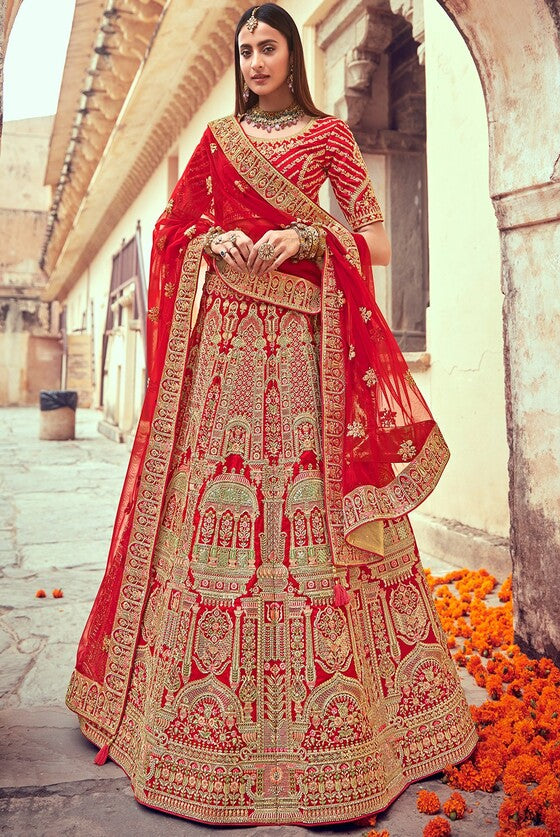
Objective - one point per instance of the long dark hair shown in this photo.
(280, 20)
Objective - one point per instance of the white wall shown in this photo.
(465, 383)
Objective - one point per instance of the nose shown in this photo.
(256, 61)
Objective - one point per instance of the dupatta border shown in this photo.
(355, 520)
(103, 703)
(274, 286)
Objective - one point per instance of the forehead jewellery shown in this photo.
(252, 22)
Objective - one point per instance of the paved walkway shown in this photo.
(57, 502)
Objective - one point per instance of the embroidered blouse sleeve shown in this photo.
(350, 179)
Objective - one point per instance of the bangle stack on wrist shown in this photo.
(211, 235)
(311, 241)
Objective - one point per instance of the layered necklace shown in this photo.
(277, 119)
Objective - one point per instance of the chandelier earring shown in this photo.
(245, 91)
(291, 78)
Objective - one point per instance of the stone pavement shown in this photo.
(57, 503)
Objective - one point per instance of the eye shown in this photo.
(268, 49)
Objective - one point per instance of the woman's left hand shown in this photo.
(270, 251)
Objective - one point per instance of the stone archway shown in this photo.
(516, 49)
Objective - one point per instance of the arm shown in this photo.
(377, 242)
(354, 192)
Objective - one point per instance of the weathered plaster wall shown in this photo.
(533, 347)
(29, 352)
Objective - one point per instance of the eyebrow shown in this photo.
(260, 43)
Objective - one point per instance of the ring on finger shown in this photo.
(266, 251)
(222, 253)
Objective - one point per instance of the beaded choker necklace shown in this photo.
(277, 119)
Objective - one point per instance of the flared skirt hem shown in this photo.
(361, 809)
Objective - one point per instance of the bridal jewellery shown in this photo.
(252, 22)
(266, 251)
(276, 119)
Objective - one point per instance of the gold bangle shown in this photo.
(311, 241)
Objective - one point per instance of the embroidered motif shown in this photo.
(366, 314)
(153, 313)
(169, 207)
(387, 418)
(370, 377)
(209, 185)
(356, 429)
(407, 450)
(351, 352)
(333, 640)
(340, 299)
(169, 289)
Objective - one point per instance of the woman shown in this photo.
(264, 647)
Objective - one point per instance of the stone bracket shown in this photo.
(525, 207)
(373, 32)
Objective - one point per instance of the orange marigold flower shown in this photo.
(494, 686)
(57, 593)
(428, 802)
(374, 833)
(438, 827)
(455, 807)
(504, 593)
(40, 594)
(551, 818)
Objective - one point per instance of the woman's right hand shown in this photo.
(233, 247)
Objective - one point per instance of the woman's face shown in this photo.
(264, 58)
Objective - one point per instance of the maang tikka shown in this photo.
(252, 22)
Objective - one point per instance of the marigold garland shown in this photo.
(438, 827)
(519, 725)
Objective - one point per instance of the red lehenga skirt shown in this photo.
(253, 698)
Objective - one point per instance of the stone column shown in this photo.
(530, 226)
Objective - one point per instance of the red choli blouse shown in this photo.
(326, 148)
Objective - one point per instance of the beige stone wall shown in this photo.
(25, 144)
(465, 382)
(29, 349)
